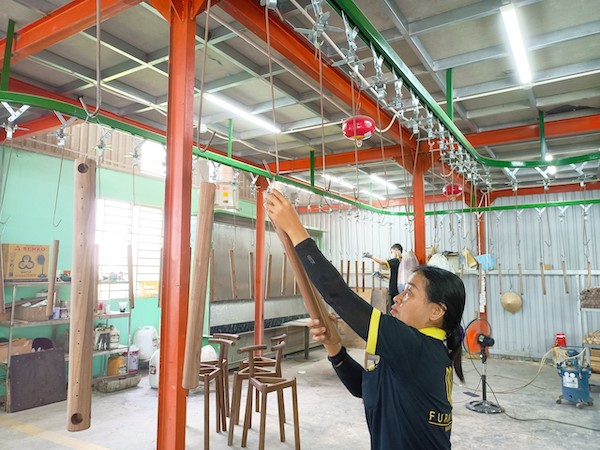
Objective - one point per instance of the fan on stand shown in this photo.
(477, 340)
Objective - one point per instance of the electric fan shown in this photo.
(477, 340)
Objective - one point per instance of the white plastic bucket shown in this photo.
(147, 341)
(153, 369)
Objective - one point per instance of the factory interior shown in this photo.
(148, 299)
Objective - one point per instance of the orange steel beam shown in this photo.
(419, 211)
(61, 24)
(538, 190)
(171, 428)
(338, 159)
(259, 272)
(565, 127)
(299, 52)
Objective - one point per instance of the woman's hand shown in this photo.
(320, 335)
(284, 216)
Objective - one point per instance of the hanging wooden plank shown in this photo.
(251, 274)
(52, 278)
(312, 302)
(500, 278)
(521, 290)
(356, 274)
(565, 277)
(543, 277)
(211, 269)
(348, 272)
(130, 280)
(363, 276)
(234, 293)
(83, 285)
(283, 273)
(268, 276)
(589, 275)
(197, 301)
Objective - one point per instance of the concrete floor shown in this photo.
(329, 417)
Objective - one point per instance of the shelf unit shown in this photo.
(16, 324)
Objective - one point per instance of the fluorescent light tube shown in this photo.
(240, 112)
(509, 16)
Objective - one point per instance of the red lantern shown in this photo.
(358, 128)
(452, 190)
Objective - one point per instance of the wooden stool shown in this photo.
(225, 341)
(262, 365)
(265, 384)
(207, 373)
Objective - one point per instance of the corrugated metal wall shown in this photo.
(523, 236)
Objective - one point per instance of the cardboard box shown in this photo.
(25, 262)
(19, 346)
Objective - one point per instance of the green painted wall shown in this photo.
(28, 216)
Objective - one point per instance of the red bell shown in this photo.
(452, 190)
(358, 128)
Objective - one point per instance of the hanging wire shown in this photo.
(202, 72)
(267, 28)
(4, 181)
(98, 70)
(322, 108)
(55, 224)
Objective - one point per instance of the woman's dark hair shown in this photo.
(446, 288)
(397, 247)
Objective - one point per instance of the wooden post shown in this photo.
(312, 302)
(52, 278)
(234, 292)
(268, 276)
(130, 280)
(251, 273)
(589, 276)
(83, 284)
(356, 274)
(196, 305)
(283, 273)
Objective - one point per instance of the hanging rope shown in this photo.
(540, 211)
(4, 174)
(55, 224)
(98, 70)
(202, 72)
(562, 239)
(518, 235)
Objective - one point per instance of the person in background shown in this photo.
(392, 264)
(407, 396)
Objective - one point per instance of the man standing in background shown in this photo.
(392, 264)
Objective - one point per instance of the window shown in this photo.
(119, 224)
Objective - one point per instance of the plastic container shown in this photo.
(133, 359)
(561, 339)
(153, 369)
(117, 365)
(147, 341)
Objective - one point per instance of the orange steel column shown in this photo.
(259, 272)
(176, 270)
(419, 210)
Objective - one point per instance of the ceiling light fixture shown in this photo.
(509, 17)
(240, 112)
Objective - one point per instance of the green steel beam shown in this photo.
(7, 55)
(123, 125)
(371, 36)
(312, 168)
